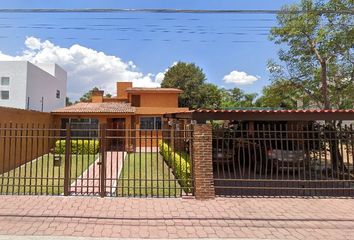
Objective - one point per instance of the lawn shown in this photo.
(40, 176)
(147, 174)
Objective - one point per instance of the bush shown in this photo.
(180, 163)
(78, 146)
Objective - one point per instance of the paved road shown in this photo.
(242, 218)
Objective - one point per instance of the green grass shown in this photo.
(147, 175)
(40, 176)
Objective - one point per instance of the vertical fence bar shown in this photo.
(3, 157)
(103, 161)
(67, 160)
(9, 157)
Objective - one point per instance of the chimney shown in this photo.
(97, 96)
(121, 89)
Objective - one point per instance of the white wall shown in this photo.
(17, 72)
(43, 84)
(34, 82)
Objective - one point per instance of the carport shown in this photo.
(268, 152)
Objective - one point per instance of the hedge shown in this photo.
(180, 163)
(78, 146)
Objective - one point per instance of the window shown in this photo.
(136, 100)
(4, 95)
(5, 81)
(150, 123)
(58, 94)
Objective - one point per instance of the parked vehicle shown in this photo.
(263, 146)
(286, 159)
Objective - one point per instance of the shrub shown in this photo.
(78, 146)
(180, 163)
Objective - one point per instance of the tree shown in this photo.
(87, 96)
(236, 98)
(68, 102)
(318, 58)
(189, 78)
(211, 96)
(280, 94)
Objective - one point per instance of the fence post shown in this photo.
(203, 162)
(103, 160)
(67, 160)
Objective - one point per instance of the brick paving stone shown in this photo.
(244, 218)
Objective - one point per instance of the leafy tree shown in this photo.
(108, 95)
(318, 58)
(87, 96)
(211, 96)
(280, 94)
(189, 78)
(68, 102)
(235, 97)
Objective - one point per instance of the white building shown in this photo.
(40, 87)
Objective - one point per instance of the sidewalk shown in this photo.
(243, 218)
(89, 181)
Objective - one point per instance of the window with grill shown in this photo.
(150, 123)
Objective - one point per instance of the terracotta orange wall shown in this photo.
(21, 116)
(97, 99)
(158, 100)
(15, 151)
(121, 89)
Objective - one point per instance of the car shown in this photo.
(286, 159)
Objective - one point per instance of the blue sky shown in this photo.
(218, 43)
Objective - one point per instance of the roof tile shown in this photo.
(273, 111)
(104, 107)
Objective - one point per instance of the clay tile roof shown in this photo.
(104, 107)
(154, 90)
(272, 111)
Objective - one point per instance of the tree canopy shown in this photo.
(197, 93)
(87, 96)
(236, 98)
(318, 57)
(189, 78)
(280, 94)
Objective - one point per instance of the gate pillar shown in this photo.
(203, 162)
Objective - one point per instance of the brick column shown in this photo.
(203, 162)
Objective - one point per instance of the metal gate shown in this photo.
(284, 158)
(40, 160)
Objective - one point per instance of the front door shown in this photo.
(118, 134)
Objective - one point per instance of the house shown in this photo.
(132, 108)
(40, 87)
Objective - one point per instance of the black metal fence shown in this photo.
(284, 158)
(39, 160)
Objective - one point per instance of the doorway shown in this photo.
(117, 134)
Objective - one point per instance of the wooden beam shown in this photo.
(263, 116)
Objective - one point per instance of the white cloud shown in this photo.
(241, 78)
(86, 67)
(161, 75)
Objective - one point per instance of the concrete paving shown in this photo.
(89, 181)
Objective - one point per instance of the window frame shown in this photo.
(136, 100)
(1, 95)
(58, 94)
(156, 123)
(8, 81)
